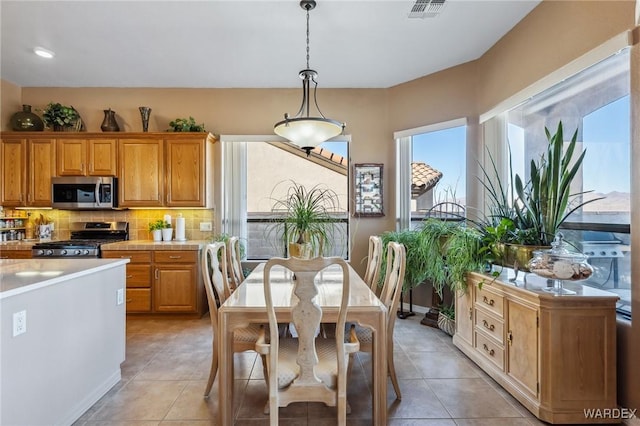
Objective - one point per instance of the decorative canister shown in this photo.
(26, 121)
(109, 124)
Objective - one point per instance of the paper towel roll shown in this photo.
(180, 236)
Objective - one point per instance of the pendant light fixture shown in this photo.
(304, 130)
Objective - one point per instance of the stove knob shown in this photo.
(85, 252)
(76, 252)
(63, 252)
(589, 253)
(49, 252)
(40, 252)
(603, 253)
(614, 253)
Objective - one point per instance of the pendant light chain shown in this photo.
(307, 37)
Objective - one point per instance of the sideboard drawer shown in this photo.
(490, 325)
(490, 350)
(490, 301)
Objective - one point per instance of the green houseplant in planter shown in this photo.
(61, 117)
(185, 125)
(530, 220)
(156, 228)
(304, 219)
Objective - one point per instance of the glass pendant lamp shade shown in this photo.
(304, 130)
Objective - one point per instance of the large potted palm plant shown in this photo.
(304, 219)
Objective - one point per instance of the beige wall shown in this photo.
(552, 35)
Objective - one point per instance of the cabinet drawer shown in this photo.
(175, 256)
(138, 275)
(490, 350)
(490, 325)
(136, 256)
(490, 301)
(138, 300)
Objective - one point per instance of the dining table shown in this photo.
(246, 305)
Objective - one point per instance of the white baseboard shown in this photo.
(91, 398)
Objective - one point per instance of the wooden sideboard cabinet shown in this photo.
(554, 354)
(28, 163)
(87, 157)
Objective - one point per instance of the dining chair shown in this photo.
(372, 272)
(234, 263)
(306, 368)
(214, 273)
(390, 297)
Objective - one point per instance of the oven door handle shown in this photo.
(98, 184)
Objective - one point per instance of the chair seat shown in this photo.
(364, 334)
(326, 370)
(247, 334)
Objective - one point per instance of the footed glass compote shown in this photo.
(559, 264)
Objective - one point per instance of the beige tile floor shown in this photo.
(167, 365)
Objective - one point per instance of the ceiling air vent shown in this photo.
(426, 9)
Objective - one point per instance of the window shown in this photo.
(257, 172)
(434, 161)
(596, 103)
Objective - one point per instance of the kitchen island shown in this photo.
(62, 339)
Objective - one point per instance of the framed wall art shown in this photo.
(367, 179)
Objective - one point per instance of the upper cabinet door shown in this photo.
(103, 157)
(13, 155)
(185, 173)
(42, 166)
(141, 172)
(82, 157)
(72, 157)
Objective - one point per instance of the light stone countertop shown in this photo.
(154, 245)
(19, 276)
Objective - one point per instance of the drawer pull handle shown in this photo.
(510, 337)
(489, 351)
(470, 313)
(157, 274)
(125, 257)
(175, 257)
(487, 301)
(129, 276)
(129, 300)
(488, 326)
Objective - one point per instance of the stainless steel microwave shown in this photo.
(84, 193)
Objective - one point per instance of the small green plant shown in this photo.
(159, 224)
(448, 311)
(185, 125)
(57, 115)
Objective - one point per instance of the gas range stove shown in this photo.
(85, 242)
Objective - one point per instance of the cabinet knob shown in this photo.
(489, 302)
(488, 326)
(489, 351)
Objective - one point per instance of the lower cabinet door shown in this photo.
(174, 288)
(522, 346)
(138, 300)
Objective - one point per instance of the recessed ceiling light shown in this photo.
(44, 53)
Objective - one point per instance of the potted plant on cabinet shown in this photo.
(185, 125)
(529, 220)
(304, 219)
(61, 117)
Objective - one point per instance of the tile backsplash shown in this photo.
(138, 220)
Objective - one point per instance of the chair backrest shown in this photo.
(307, 315)
(371, 275)
(213, 267)
(393, 280)
(234, 263)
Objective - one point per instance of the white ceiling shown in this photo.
(252, 44)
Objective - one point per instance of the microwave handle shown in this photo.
(98, 183)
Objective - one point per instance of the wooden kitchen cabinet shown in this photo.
(554, 354)
(87, 157)
(138, 278)
(15, 254)
(175, 285)
(141, 172)
(185, 172)
(28, 163)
